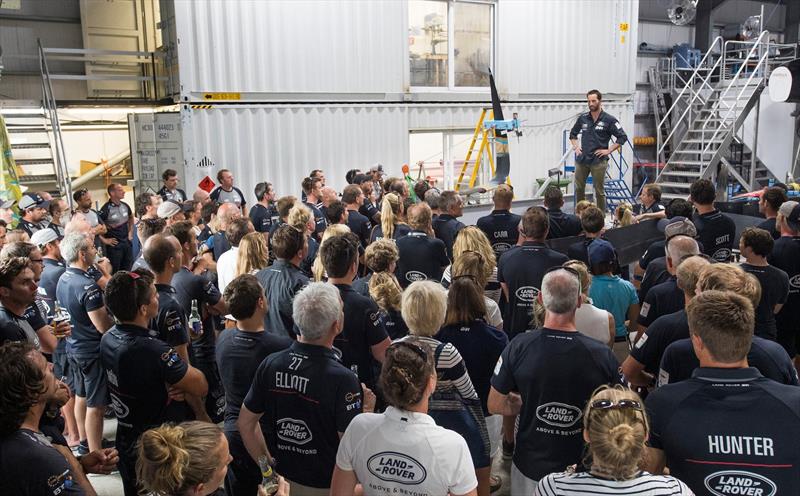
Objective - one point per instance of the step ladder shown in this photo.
(29, 138)
(617, 189)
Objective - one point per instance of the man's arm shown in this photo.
(100, 319)
(344, 482)
(503, 404)
(253, 439)
(195, 401)
(634, 372)
(193, 382)
(379, 350)
(504, 286)
(130, 224)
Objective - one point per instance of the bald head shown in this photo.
(201, 196)
(227, 212)
(78, 224)
(679, 248)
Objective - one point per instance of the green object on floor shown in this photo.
(562, 183)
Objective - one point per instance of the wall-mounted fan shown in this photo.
(682, 12)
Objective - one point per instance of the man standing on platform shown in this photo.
(596, 128)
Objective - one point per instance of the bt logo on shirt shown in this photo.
(739, 482)
(396, 467)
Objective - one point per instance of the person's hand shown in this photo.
(99, 229)
(61, 395)
(104, 265)
(62, 329)
(102, 461)
(578, 150)
(175, 394)
(369, 399)
(283, 488)
(199, 264)
(109, 241)
(602, 152)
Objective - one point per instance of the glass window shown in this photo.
(472, 40)
(427, 39)
(436, 62)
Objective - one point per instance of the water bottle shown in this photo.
(195, 323)
(269, 479)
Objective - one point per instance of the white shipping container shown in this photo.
(283, 143)
(357, 50)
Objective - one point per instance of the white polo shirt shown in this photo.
(226, 268)
(400, 452)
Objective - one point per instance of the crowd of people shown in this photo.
(366, 341)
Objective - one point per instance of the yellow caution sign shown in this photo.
(222, 96)
(623, 26)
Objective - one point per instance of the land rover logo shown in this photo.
(396, 467)
(501, 247)
(293, 431)
(722, 255)
(736, 482)
(527, 293)
(415, 275)
(795, 281)
(558, 414)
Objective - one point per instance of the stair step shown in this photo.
(29, 146)
(673, 196)
(684, 151)
(26, 129)
(670, 173)
(33, 161)
(37, 179)
(665, 184)
(688, 162)
(701, 142)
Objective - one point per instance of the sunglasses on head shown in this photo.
(411, 346)
(569, 269)
(618, 405)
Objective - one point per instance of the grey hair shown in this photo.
(315, 308)
(17, 249)
(72, 245)
(681, 247)
(448, 200)
(432, 197)
(560, 292)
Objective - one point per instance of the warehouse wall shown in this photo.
(282, 143)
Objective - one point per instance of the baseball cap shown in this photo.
(8, 203)
(32, 200)
(44, 236)
(601, 251)
(167, 209)
(790, 210)
(187, 206)
(677, 226)
(377, 168)
(361, 178)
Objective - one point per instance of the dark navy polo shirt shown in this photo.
(361, 285)
(729, 431)
(446, 228)
(539, 364)
(522, 269)
(359, 225)
(480, 345)
(715, 234)
(563, 225)
(394, 324)
(307, 264)
(400, 230)
(79, 294)
(235, 196)
(281, 281)
(115, 217)
(30, 227)
(662, 299)
(219, 244)
(178, 195)
(171, 325)
(139, 369)
(53, 270)
(786, 256)
(263, 217)
(369, 210)
(657, 249)
(189, 286)
(16, 328)
(319, 220)
(679, 361)
(595, 135)
(363, 328)
(664, 331)
(239, 354)
(769, 226)
(580, 250)
(774, 290)
(33, 467)
(502, 229)
(655, 274)
(307, 397)
(421, 258)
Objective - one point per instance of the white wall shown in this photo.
(775, 135)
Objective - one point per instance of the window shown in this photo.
(436, 62)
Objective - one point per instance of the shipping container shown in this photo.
(283, 143)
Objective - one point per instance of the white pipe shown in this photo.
(102, 167)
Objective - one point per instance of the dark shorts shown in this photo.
(61, 369)
(462, 422)
(243, 475)
(89, 380)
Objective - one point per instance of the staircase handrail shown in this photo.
(51, 110)
(696, 95)
(756, 45)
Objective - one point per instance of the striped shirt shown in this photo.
(645, 484)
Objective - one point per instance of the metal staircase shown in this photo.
(716, 101)
(30, 146)
(660, 111)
